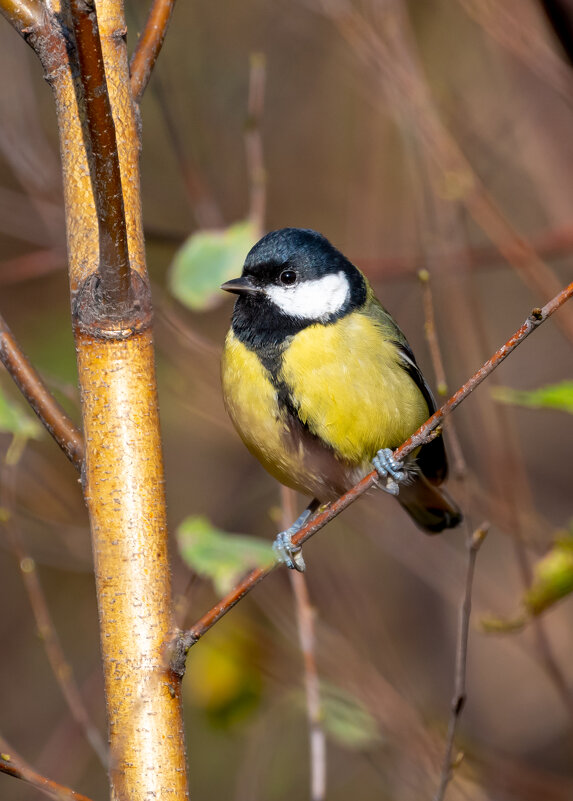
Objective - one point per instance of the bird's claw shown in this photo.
(288, 553)
(390, 470)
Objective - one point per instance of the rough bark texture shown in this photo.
(125, 496)
(123, 470)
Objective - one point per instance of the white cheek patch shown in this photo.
(312, 300)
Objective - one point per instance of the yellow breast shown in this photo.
(352, 396)
(350, 387)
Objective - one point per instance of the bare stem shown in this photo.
(104, 162)
(148, 46)
(184, 640)
(307, 639)
(475, 541)
(14, 765)
(431, 334)
(254, 143)
(391, 52)
(548, 244)
(44, 623)
(48, 410)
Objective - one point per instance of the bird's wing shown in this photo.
(431, 459)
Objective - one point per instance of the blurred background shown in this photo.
(434, 136)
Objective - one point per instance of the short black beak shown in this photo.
(241, 286)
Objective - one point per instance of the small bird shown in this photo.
(321, 384)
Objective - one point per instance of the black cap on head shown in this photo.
(303, 249)
(289, 257)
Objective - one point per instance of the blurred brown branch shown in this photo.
(389, 48)
(475, 541)
(184, 640)
(13, 764)
(307, 638)
(254, 143)
(516, 26)
(148, 46)
(47, 632)
(32, 387)
(553, 243)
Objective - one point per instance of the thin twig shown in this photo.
(148, 46)
(307, 639)
(48, 410)
(31, 265)
(391, 52)
(184, 640)
(13, 764)
(204, 208)
(114, 269)
(549, 244)
(431, 335)
(459, 463)
(518, 29)
(475, 541)
(61, 668)
(254, 143)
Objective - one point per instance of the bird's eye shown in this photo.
(288, 277)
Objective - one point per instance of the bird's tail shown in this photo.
(429, 506)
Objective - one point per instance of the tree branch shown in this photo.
(392, 53)
(14, 765)
(148, 46)
(114, 268)
(47, 632)
(254, 143)
(48, 410)
(184, 640)
(475, 541)
(305, 615)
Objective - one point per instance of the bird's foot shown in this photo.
(390, 470)
(288, 553)
(283, 546)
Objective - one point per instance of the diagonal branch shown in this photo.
(104, 162)
(392, 54)
(48, 410)
(46, 628)
(148, 47)
(14, 765)
(184, 640)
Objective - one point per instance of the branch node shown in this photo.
(459, 704)
(179, 648)
(536, 316)
(94, 318)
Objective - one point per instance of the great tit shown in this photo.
(321, 383)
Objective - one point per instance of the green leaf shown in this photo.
(220, 556)
(554, 396)
(552, 576)
(552, 580)
(346, 720)
(208, 259)
(14, 420)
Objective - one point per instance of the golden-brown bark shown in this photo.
(123, 469)
(125, 496)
